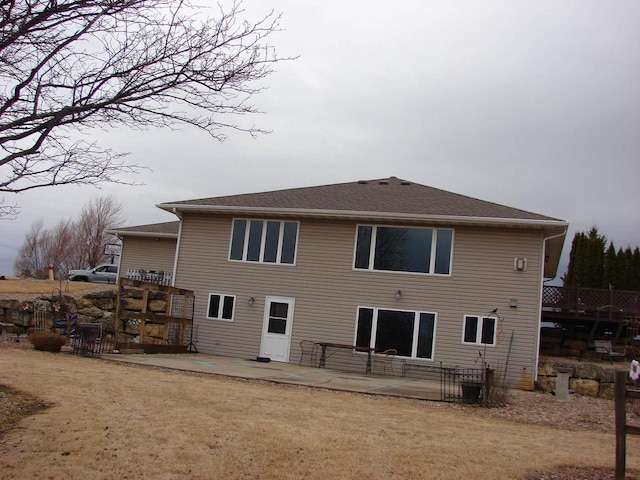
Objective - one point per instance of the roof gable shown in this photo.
(166, 229)
(392, 196)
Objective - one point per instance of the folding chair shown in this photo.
(308, 349)
(385, 360)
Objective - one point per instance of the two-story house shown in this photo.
(442, 278)
(387, 263)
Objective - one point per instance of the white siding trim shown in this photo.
(175, 261)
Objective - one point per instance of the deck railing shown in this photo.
(576, 299)
(151, 276)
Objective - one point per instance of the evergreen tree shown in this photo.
(586, 260)
(610, 267)
(635, 270)
(576, 256)
(625, 262)
(594, 262)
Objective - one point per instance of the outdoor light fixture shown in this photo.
(250, 301)
(398, 295)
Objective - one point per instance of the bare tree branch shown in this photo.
(8, 212)
(68, 66)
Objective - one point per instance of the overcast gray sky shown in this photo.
(535, 105)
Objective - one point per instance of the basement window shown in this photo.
(221, 307)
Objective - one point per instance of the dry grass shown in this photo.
(30, 286)
(113, 421)
(14, 406)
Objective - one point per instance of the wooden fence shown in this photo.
(622, 428)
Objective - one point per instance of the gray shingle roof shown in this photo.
(382, 196)
(166, 229)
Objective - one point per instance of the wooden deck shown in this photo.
(592, 307)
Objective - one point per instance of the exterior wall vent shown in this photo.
(520, 264)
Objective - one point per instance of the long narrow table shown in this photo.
(337, 346)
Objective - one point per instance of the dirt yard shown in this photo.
(113, 421)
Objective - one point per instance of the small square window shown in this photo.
(221, 307)
(479, 330)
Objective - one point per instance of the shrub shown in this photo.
(46, 341)
(499, 396)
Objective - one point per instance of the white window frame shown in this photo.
(263, 239)
(221, 307)
(372, 250)
(416, 330)
(479, 326)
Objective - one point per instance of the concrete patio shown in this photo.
(286, 373)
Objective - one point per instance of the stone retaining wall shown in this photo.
(592, 379)
(19, 317)
(557, 342)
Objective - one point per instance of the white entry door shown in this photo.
(276, 329)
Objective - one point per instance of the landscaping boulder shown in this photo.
(546, 384)
(589, 371)
(585, 386)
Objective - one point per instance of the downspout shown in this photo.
(544, 249)
(120, 256)
(175, 258)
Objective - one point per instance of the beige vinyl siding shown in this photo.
(148, 254)
(327, 291)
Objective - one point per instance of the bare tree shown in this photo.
(56, 247)
(43, 247)
(98, 216)
(70, 244)
(29, 262)
(69, 66)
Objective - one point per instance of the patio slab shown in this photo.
(287, 373)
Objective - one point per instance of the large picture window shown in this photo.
(266, 241)
(399, 249)
(479, 330)
(220, 307)
(411, 333)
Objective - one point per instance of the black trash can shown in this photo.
(471, 391)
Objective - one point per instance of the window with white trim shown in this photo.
(479, 330)
(265, 241)
(401, 249)
(411, 333)
(221, 307)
